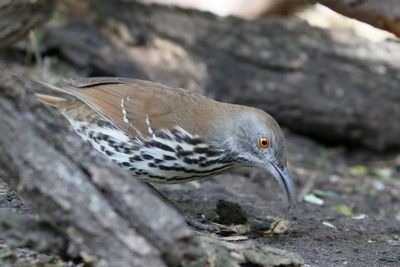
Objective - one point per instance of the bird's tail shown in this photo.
(52, 87)
(50, 100)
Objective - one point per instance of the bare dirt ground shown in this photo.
(358, 224)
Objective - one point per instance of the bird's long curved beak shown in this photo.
(286, 183)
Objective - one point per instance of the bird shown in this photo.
(169, 135)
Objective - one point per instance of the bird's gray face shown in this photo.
(262, 144)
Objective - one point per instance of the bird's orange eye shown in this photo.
(263, 142)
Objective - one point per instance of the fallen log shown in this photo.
(332, 86)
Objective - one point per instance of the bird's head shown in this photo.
(258, 141)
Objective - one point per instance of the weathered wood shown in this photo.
(335, 87)
(25, 231)
(18, 17)
(100, 210)
(381, 14)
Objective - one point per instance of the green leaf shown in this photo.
(358, 170)
(324, 194)
(342, 209)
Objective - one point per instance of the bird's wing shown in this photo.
(140, 107)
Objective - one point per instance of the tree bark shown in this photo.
(332, 86)
(381, 14)
(101, 212)
(18, 17)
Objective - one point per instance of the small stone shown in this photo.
(329, 225)
(378, 185)
(334, 179)
(359, 216)
(310, 198)
(280, 227)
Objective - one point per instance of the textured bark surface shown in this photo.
(335, 87)
(381, 14)
(99, 210)
(18, 17)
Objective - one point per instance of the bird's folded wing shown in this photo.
(140, 107)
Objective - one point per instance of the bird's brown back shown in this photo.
(133, 105)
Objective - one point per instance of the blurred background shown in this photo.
(330, 79)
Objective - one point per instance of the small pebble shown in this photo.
(310, 198)
(329, 225)
(359, 216)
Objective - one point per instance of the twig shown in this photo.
(307, 187)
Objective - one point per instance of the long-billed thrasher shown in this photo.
(170, 135)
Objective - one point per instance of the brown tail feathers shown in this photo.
(50, 100)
